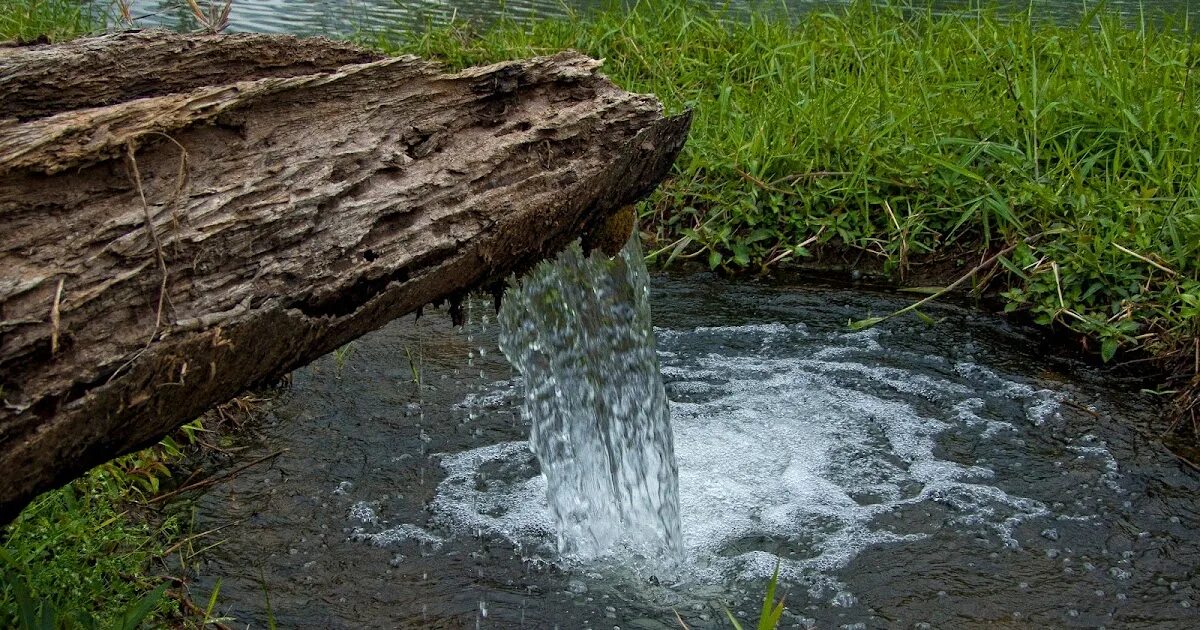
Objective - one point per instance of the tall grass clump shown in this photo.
(918, 139)
(46, 20)
(75, 558)
(92, 553)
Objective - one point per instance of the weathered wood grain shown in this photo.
(38, 81)
(161, 254)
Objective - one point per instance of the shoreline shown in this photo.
(910, 140)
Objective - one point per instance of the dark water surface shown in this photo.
(347, 17)
(954, 475)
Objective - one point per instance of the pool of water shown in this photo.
(347, 17)
(954, 474)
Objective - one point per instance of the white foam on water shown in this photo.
(1045, 408)
(516, 511)
(783, 458)
(901, 380)
(1094, 448)
(370, 528)
(765, 330)
(967, 412)
(397, 535)
(785, 453)
(364, 512)
(1041, 404)
(499, 394)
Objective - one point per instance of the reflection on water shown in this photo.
(956, 475)
(348, 17)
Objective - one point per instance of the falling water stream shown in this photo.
(947, 473)
(578, 331)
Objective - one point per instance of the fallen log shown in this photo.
(161, 254)
(39, 81)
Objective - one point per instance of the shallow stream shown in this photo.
(942, 475)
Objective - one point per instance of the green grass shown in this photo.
(92, 554)
(917, 138)
(76, 554)
(772, 611)
(53, 20)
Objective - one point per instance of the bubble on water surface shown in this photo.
(364, 512)
(513, 506)
(397, 535)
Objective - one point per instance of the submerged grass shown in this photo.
(919, 139)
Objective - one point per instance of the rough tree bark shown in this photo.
(38, 81)
(263, 202)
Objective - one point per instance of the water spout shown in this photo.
(579, 332)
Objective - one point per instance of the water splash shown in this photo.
(579, 332)
(807, 462)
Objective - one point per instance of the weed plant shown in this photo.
(772, 611)
(76, 558)
(49, 20)
(82, 556)
(917, 138)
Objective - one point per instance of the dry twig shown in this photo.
(56, 317)
(214, 480)
(136, 176)
(215, 19)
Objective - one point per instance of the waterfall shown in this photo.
(578, 331)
